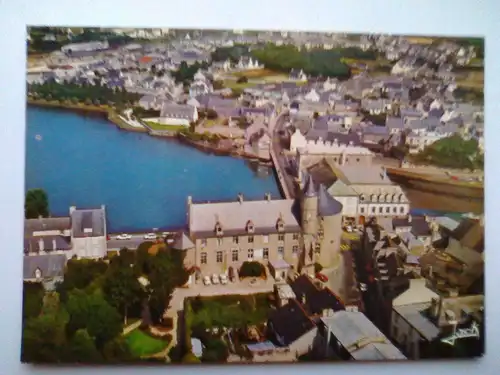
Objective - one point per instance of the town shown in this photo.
(341, 267)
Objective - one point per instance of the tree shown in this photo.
(251, 269)
(80, 273)
(211, 114)
(176, 354)
(122, 289)
(32, 299)
(82, 349)
(36, 204)
(190, 358)
(117, 351)
(43, 339)
(94, 313)
(215, 351)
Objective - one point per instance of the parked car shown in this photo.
(348, 229)
(206, 280)
(123, 236)
(215, 279)
(321, 277)
(223, 279)
(363, 287)
(150, 236)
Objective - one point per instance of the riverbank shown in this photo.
(436, 184)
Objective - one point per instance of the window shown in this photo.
(235, 239)
(218, 257)
(250, 239)
(373, 210)
(203, 243)
(281, 237)
(234, 256)
(281, 250)
(357, 160)
(219, 241)
(346, 160)
(381, 209)
(295, 236)
(395, 210)
(203, 258)
(265, 238)
(402, 209)
(266, 253)
(295, 249)
(250, 253)
(362, 210)
(387, 209)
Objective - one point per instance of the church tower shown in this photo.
(309, 207)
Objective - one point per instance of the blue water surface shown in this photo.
(143, 181)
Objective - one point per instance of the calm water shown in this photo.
(143, 181)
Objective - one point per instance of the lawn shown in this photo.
(257, 73)
(141, 344)
(157, 126)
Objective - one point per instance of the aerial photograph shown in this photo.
(243, 196)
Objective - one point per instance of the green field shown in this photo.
(141, 344)
(157, 126)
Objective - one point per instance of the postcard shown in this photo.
(225, 196)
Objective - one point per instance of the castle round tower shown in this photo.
(309, 207)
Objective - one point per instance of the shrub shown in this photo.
(167, 322)
(190, 358)
(242, 79)
(252, 269)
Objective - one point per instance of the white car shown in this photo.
(223, 279)
(362, 287)
(215, 279)
(206, 280)
(124, 236)
(150, 236)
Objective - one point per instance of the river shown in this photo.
(143, 181)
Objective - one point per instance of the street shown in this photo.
(281, 168)
(136, 240)
(374, 303)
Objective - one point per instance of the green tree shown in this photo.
(82, 349)
(94, 313)
(32, 299)
(80, 273)
(43, 339)
(122, 289)
(117, 351)
(242, 79)
(36, 204)
(251, 269)
(190, 358)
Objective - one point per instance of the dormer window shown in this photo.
(250, 227)
(362, 198)
(280, 225)
(218, 229)
(373, 198)
(381, 198)
(38, 273)
(401, 197)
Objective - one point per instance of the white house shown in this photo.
(88, 232)
(178, 114)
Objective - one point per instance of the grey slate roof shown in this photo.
(51, 265)
(45, 224)
(310, 189)
(173, 110)
(327, 205)
(350, 328)
(94, 219)
(413, 315)
(394, 122)
(182, 242)
(234, 217)
(46, 243)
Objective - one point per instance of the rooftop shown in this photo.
(413, 314)
(88, 223)
(51, 265)
(360, 337)
(358, 174)
(234, 216)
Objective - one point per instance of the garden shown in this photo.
(142, 344)
(214, 319)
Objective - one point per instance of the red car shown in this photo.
(321, 277)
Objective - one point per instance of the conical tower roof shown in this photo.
(327, 205)
(310, 189)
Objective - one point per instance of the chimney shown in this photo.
(72, 209)
(304, 299)
(189, 200)
(240, 197)
(54, 245)
(268, 197)
(409, 219)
